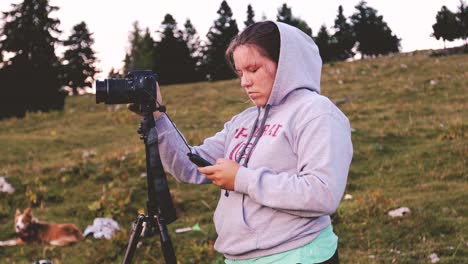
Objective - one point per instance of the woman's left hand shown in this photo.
(222, 174)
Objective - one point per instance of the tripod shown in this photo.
(160, 209)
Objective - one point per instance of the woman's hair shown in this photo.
(263, 35)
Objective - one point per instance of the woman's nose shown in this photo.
(245, 82)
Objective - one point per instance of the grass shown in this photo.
(409, 115)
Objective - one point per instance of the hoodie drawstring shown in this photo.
(250, 137)
(260, 133)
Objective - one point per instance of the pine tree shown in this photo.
(343, 37)
(192, 39)
(285, 15)
(114, 73)
(250, 16)
(30, 80)
(323, 41)
(194, 45)
(173, 61)
(219, 36)
(133, 54)
(79, 58)
(462, 20)
(140, 54)
(446, 26)
(146, 52)
(373, 35)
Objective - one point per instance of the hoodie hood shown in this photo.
(299, 64)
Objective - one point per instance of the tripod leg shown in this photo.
(133, 241)
(166, 243)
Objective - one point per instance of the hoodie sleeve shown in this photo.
(324, 149)
(173, 151)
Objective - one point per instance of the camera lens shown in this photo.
(113, 91)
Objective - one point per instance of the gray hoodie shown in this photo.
(297, 170)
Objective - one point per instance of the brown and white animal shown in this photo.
(29, 230)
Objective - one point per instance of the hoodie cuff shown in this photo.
(241, 183)
(163, 124)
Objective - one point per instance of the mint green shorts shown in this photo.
(319, 250)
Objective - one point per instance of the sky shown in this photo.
(110, 21)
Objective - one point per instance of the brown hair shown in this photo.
(263, 35)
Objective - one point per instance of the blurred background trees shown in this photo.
(30, 79)
(35, 77)
(250, 16)
(220, 34)
(285, 15)
(373, 35)
(79, 59)
(451, 25)
(173, 61)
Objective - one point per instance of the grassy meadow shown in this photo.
(409, 114)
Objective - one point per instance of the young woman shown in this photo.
(283, 161)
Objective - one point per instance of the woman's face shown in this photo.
(256, 72)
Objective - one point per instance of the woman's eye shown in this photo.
(253, 70)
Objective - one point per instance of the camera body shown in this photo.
(139, 88)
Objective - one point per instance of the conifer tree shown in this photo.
(173, 61)
(140, 54)
(79, 59)
(133, 54)
(250, 16)
(446, 26)
(30, 80)
(220, 34)
(285, 15)
(146, 52)
(192, 39)
(462, 20)
(324, 43)
(373, 35)
(114, 73)
(195, 47)
(343, 37)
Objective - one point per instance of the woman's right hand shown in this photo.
(134, 108)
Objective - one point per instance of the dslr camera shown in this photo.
(138, 88)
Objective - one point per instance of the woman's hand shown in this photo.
(222, 174)
(157, 114)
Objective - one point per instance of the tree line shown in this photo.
(451, 25)
(34, 78)
(180, 56)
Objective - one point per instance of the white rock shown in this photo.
(399, 212)
(102, 228)
(5, 186)
(348, 196)
(89, 154)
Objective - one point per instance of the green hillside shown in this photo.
(409, 113)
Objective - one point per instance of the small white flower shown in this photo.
(434, 258)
